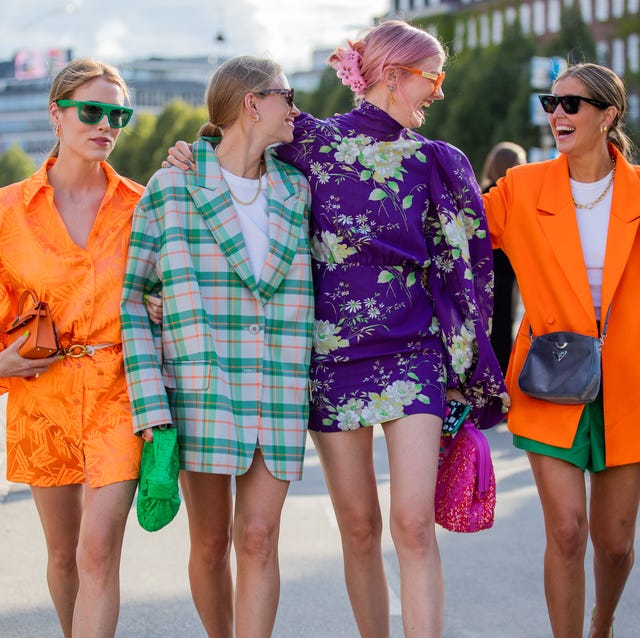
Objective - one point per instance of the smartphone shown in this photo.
(456, 414)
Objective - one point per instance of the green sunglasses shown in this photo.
(93, 112)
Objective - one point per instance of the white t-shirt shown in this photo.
(593, 224)
(253, 218)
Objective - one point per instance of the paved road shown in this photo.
(493, 579)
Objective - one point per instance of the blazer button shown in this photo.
(551, 320)
(254, 329)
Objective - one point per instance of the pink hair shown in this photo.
(390, 43)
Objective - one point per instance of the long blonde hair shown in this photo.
(74, 75)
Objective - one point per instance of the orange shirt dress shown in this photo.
(73, 423)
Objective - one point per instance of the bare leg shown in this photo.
(413, 443)
(615, 493)
(60, 511)
(209, 508)
(105, 511)
(562, 491)
(256, 529)
(347, 463)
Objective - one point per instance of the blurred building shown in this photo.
(24, 90)
(614, 26)
(482, 23)
(25, 81)
(308, 80)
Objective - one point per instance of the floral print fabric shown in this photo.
(402, 273)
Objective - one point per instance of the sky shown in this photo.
(116, 31)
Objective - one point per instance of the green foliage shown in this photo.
(487, 99)
(141, 149)
(574, 41)
(15, 165)
(329, 98)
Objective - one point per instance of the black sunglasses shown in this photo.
(287, 94)
(570, 103)
(93, 112)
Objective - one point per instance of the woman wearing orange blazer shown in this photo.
(570, 228)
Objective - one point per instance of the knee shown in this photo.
(413, 531)
(256, 540)
(98, 554)
(361, 532)
(569, 539)
(63, 558)
(616, 551)
(212, 549)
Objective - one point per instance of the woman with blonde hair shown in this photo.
(64, 233)
(228, 245)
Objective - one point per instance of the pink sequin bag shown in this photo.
(465, 498)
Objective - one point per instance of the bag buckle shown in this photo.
(78, 350)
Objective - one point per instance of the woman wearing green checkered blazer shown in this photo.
(227, 243)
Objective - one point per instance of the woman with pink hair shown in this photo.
(403, 290)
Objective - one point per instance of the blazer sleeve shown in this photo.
(497, 203)
(141, 339)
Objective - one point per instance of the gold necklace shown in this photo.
(233, 195)
(590, 205)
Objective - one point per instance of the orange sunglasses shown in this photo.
(436, 78)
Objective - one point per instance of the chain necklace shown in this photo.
(233, 195)
(598, 199)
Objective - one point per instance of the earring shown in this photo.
(392, 100)
(256, 117)
(604, 129)
(56, 129)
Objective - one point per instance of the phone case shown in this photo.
(456, 414)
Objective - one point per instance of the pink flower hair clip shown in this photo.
(348, 70)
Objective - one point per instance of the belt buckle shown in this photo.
(79, 350)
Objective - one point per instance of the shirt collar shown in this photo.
(39, 181)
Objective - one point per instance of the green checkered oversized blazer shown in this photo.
(229, 366)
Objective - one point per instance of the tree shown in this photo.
(141, 149)
(574, 41)
(127, 157)
(329, 98)
(15, 165)
(487, 98)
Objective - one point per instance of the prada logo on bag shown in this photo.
(560, 355)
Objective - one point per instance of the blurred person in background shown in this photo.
(502, 156)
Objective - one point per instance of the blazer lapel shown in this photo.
(557, 217)
(286, 219)
(623, 226)
(211, 197)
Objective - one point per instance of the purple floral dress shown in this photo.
(402, 272)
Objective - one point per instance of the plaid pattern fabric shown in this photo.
(229, 366)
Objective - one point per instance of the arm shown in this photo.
(462, 292)
(141, 340)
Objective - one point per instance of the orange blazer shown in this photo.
(532, 218)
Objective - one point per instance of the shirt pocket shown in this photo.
(186, 375)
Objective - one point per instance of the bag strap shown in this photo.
(483, 458)
(23, 298)
(603, 332)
